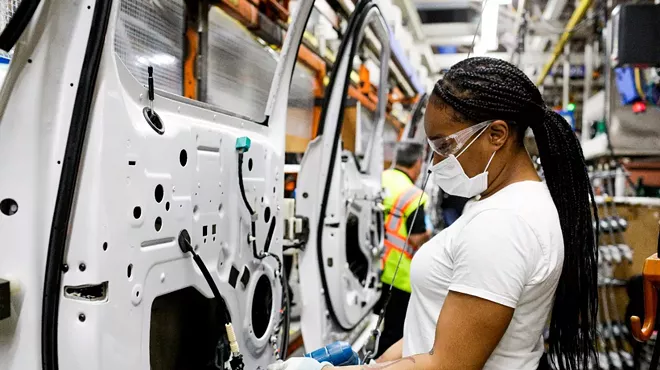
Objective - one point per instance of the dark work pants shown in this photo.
(395, 316)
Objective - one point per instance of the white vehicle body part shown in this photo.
(343, 204)
(101, 197)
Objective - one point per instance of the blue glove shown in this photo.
(427, 221)
(299, 363)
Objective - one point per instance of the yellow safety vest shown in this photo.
(401, 200)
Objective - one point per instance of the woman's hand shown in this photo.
(395, 352)
(299, 363)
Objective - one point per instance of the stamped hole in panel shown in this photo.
(267, 214)
(137, 212)
(158, 224)
(129, 271)
(158, 193)
(167, 206)
(183, 158)
(105, 246)
(8, 207)
(250, 163)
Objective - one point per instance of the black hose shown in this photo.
(269, 237)
(241, 185)
(212, 285)
(186, 246)
(286, 306)
(253, 226)
(18, 23)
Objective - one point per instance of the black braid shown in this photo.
(481, 89)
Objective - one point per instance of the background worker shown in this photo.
(402, 198)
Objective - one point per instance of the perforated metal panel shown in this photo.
(240, 68)
(150, 32)
(7, 9)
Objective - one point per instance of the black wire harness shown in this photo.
(236, 361)
(242, 146)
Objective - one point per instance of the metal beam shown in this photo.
(552, 11)
(427, 55)
(449, 29)
(444, 61)
(450, 41)
(577, 16)
(567, 71)
(414, 22)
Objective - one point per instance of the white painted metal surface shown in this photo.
(343, 205)
(136, 191)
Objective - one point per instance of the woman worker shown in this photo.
(483, 288)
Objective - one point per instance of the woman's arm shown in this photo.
(468, 330)
(395, 352)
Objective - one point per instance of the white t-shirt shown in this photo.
(508, 249)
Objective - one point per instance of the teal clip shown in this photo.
(243, 144)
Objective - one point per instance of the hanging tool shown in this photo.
(651, 274)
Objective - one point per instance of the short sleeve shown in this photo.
(494, 256)
(419, 227)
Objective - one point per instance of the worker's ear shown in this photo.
(498, 133)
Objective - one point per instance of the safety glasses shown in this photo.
(451, 144)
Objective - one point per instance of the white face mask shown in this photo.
(449, 175)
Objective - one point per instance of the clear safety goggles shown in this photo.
(451, 144)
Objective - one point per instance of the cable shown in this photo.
(396, 270)
(638, 84)
(474, 37)
(285, 311)
(252, 237)
(186, 247)
(236, 361)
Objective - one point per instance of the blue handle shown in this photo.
(337, 353)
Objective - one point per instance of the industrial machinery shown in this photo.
(341, 196)
(135, 212)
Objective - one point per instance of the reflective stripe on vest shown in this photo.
(398, 211)
(397, 252)
(393, 240)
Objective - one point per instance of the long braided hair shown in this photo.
(480, 89)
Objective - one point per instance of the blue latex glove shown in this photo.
(299, 363)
